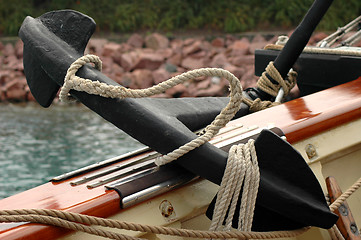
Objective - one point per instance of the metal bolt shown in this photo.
(167, 210)
(311, 151)
(354, 229)
(343, 210)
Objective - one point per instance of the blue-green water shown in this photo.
(37, 144)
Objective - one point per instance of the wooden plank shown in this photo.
(346, 223)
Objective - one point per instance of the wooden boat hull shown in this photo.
(324, 127)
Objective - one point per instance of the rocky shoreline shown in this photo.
(141, 62)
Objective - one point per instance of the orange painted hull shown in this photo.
(299, 119)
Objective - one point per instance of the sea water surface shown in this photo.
(37, 144)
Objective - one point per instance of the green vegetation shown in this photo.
(229, 16)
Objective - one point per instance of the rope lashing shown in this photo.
(241, 170)
(265, 84)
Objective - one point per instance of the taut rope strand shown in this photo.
(336, 204)
(47, 216)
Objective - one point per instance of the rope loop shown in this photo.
(265, 84)
(95, 87)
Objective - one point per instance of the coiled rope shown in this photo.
(241, 170)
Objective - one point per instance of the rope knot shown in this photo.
(265, 84)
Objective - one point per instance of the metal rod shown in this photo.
(341, 31)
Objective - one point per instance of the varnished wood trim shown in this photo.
(346, 222)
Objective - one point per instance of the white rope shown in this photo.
(241, 170)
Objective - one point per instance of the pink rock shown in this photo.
(8, 50)
(110, 48)
(160, 75)
(127, 79)
(125, 47)
(178, 91)
(230, 40)
(316, 37)
(156, 41)
(220, 60)
(258, 42)
(107, 63)
(10, 60)
(194, 47)
(115, 72)
(16, 94)
(165, 52)
(19, 47)
(249, 79)
(15, 90)
(13, 63)
(136, 40)
(239, 47)
(204, 84)
(30, 97)
(189, 41)
(192, 63)
(150, 61)
(1, 46)
(213, 90)
(5, 77)
(95, 46)
(128, 60)
(177, 45)
(142, 78)
(176, 59)
(200, 54)
(218, 42)
(242, 60)
(236, 71)
(2, 95)
(145, 50)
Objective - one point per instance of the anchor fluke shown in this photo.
(72, 27)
